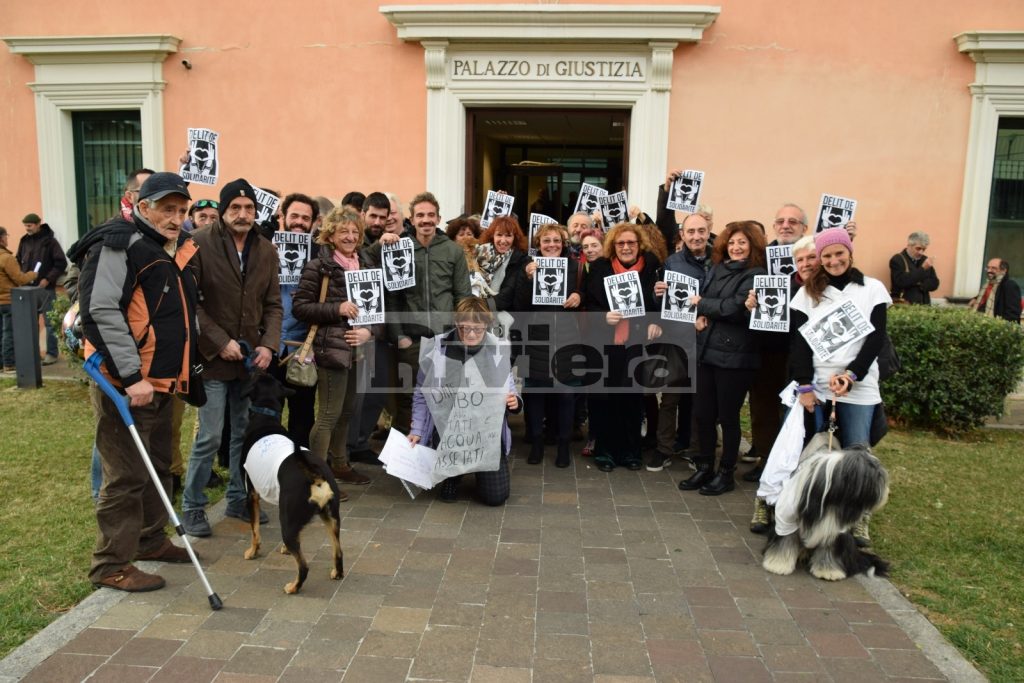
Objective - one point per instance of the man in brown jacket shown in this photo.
(239, 308)
(11, 276)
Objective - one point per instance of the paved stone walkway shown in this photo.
(581, 576)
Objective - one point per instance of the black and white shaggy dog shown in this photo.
(284, 472)
(828, 493)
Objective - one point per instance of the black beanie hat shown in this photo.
(233, 190)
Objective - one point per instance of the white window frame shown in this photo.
(90, 73)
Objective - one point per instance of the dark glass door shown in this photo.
(1004, 237)
(108, 146)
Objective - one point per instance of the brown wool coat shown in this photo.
(11, 275)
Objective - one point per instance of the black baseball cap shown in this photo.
(159, 185)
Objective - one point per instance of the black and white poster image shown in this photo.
(684, 192)
(536, 220)
(589, 200)
(366, 291)
(399, 266)
(498, 204)
(267, 204)
(624, 294)
(292, 254)
(835, 212)
(772, 312)
(839, 326)
(549, 280)
(676, 303)
(614, 209)
(202, 163)
(780, 260)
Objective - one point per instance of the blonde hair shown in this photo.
(337, 218)
(618, 229)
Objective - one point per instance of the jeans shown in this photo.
(854, 422)
(211, 425)
(45, 306)
(7, 329)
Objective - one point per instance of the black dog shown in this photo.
(304, 482)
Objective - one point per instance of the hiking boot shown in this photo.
(195, 523)
(860, 531)
(243, 513)
(50, 360)
(759, 522)
(168, 552)
(702, 476)
(346, 474)
(658, 461)
(723, 482)
(132, 580)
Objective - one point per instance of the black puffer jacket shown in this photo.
(727, 342)
(329, 345)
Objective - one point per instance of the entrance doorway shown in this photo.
(543, 156)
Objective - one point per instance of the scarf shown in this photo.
(622, 328)
(346, 262)
(987, 300)
(489, 260)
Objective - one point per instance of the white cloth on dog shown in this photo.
(785, 453)
(787, 521)
(264, 460)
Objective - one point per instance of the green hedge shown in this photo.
(958, 366)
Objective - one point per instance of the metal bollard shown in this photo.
(25, 320)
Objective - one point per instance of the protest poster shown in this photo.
(266, 205)
(202, 163)
(497, 204)
(624, 294)
(780, 260)
(614, 209)
(536, 220)
(411, 464)
(293, 251)
(399, 265)
(550, 281)
(835, 212)
(839, 326)
(366, 290)
(772, 312)
(589, 199)
(684, 192)
(676, 303)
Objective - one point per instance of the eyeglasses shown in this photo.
(206, 204)
(475, 330)
(626, 243)
(788, 221)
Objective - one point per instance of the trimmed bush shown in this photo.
(958, 366)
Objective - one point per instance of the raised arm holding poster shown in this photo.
(614, 209)
(498, 204)
(780, 260)
(840, 325)
(202, 163)
(399, 265)
(772, 312)
(536, 220)
(293, 250)
(835, 212)
(589, 199)
(550, 280)
(267, 204)
(684, 192)
(624, 294)
(676, 303)
(366, 291)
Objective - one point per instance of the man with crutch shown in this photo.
(138, 307)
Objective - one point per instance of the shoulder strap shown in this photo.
(303, 351)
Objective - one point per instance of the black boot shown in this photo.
(701, 476)
(563, 459)
(536, 451)
(722, 482)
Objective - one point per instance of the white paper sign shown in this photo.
(841, 325)
(267, 205)
(780, 260)
(293, 252)
(684, 192)
(835, 212)
(772, 312)
(203, 163)
(676, 303)
(624, 294)
(589, 199)
(39, 264)
(497, 205)
(366, 291)
(536, 220)
(399, 264)
(550, 281)
(614, 209)
(413, 464)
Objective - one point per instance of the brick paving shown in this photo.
(582, 576)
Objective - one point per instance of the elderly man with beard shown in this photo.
(239, 314)
(1000, 295)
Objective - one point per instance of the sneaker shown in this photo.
(196, 524)
(132, 580)
(242, 512)
(588, 450)
(50, 360)
(658, 461)
(168, 552)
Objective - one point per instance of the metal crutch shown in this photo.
(92, 368)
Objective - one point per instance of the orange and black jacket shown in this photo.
(138, 304)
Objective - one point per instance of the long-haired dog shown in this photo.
(285, 472)
(828, 493)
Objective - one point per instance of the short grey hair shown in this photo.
(919, 238)
(586, 216)
(803, 244)
(803, 214)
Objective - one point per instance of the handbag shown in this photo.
(888, 360)
(301, 370)
(196, 394)
(897, 296)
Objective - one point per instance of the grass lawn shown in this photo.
(952, 527)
